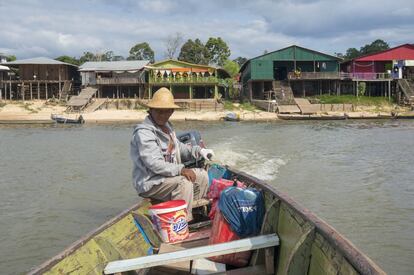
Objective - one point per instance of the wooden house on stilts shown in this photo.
(41, 78)
(289, 72)
(115, 79)
(388, 73)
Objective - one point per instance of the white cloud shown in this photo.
(53, 28)
(157, 6)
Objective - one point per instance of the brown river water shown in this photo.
(59, 182)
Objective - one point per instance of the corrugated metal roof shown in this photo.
(402, 52)
(129, 65)
(38, 60)
(334, 58)
(4, 68)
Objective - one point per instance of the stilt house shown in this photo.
(289, 72)
(115, 79)
(41, 78)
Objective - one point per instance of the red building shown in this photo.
(395, 63)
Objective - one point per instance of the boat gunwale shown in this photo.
(80, 242)
(361, 262)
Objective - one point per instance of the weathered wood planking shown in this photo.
(193, 253)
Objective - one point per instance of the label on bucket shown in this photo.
(178, 228)
(172, 226)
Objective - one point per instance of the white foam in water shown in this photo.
(267, 170)
(250, 161)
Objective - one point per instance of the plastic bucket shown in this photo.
(170, 219)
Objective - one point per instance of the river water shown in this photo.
(59, 182)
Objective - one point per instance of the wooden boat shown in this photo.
(65, 120)
(311, 117)
(231, 117)
(293, 240)
(408, 115)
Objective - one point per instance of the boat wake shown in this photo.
(249, 161)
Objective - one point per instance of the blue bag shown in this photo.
(217, 171)
(243, 209)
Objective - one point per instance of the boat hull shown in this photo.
(63, 120)
(311, 117)
(308, 245)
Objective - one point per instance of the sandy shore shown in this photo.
(39, 111)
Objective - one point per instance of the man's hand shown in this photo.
(188, 174)
(207, 154)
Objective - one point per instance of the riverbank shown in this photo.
(41, 111)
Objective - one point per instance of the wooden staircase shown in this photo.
(95, 105)
(79, 102)
(406, 87)
(63, 96)
(283, 92)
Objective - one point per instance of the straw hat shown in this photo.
(162, 99)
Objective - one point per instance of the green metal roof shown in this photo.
(291, 53)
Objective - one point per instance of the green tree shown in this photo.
(141, 51)
(240, 60)
(217, 51)
(107, 56)
(118, 58)
(352, 53)
(68, 59)
(340, 55)
(87, 56)
(10, 58)
(231, 67)
(194, 52)
(376, 46)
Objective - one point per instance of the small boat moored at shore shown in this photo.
(311, 117)
(408, 115)
(231, 117)
(65, 120)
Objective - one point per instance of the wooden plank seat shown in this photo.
(201, 202)
(193, 267)
(263, 241)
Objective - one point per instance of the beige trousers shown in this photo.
(179, 188)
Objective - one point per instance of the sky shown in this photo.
(51, 28)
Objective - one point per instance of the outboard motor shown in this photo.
(192, 138)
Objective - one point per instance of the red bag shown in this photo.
(219, 185)
(221, 232)
(216, 187)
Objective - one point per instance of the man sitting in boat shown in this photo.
(157, 155)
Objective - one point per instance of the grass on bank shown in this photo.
(350, 99)
(28, 107)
